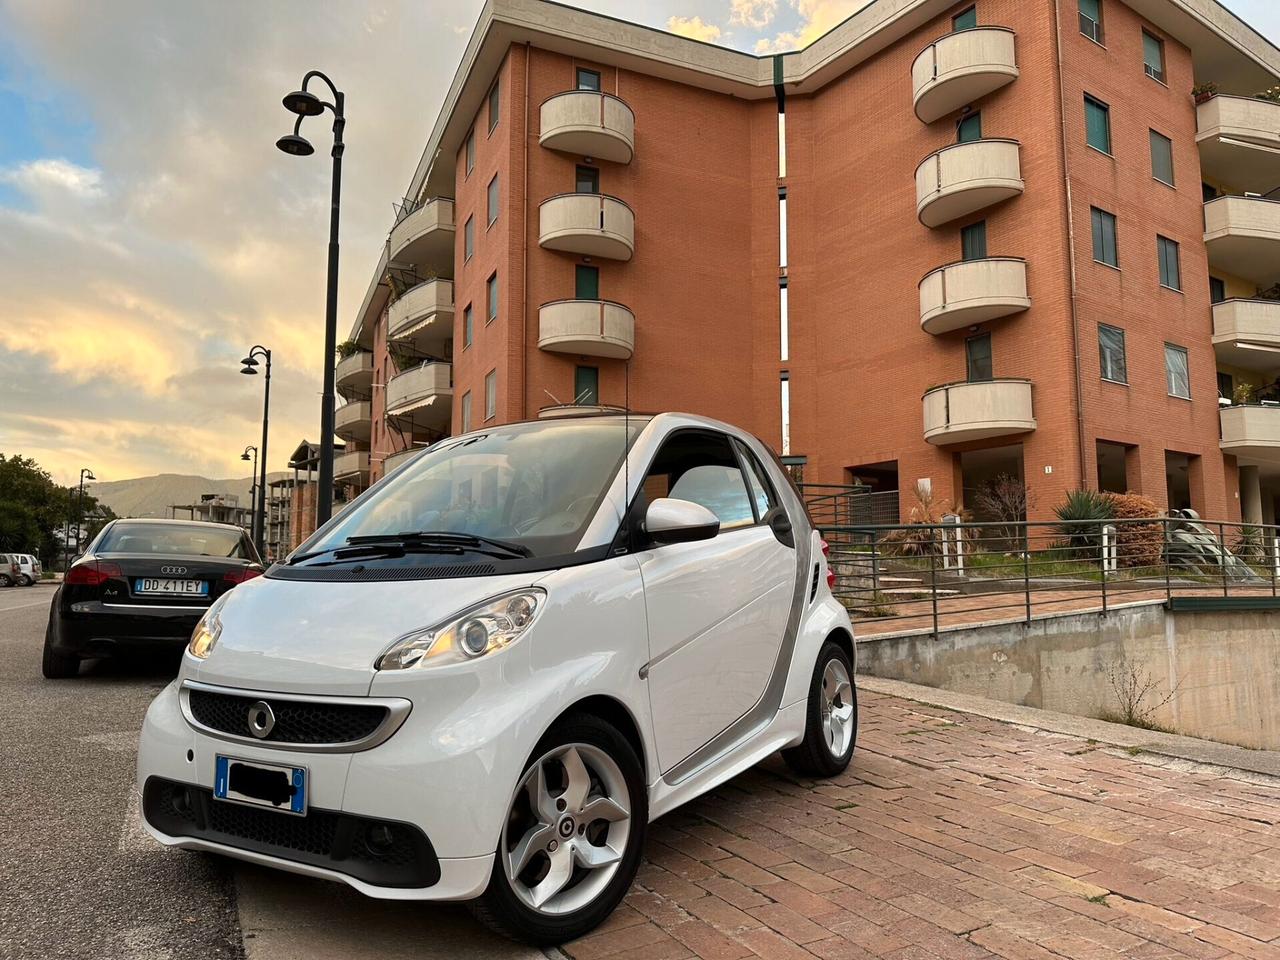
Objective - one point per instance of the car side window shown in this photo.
(762, 494)
(701, 467)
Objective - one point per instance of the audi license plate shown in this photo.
(174, 588)
(260, 784)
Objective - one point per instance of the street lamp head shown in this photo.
(249, 371)
(87, 474)
(250, 361)
(245, 456)
(302, 103)
(295, 145)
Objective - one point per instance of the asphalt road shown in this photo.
(77, 877)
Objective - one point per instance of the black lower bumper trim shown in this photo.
(386, 853)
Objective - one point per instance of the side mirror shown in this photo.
(678, 521)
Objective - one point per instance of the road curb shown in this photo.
(1174, 746)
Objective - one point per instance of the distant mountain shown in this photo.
(152, 496)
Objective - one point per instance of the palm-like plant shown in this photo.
(1080, 519)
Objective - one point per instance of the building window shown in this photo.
(1208, 192)
(586, 386)
(587, 180)
(1091, 19)
(977, 351)
(471, 150)
(586, 282)
(1153, 56)
(966, 20)
(468, 326)
(492, 200)
(1217, 290)
(973, 241)
(1097, 124)
(468, 238)
(1111, 352)
(588, 79)
(1170, 272)
(494, 98)
(466, 412)
(491, 394)
(1226, 387)
(1176, 371)
(1162, 158)
(1104, 237)
(491, 288)
(969, 129)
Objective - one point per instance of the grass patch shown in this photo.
(846, 806)
(1100, 898)
(1137, 722)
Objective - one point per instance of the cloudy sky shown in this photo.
(150, 232)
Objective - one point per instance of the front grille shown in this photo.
(297, 721)
(383, 852)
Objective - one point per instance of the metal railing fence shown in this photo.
(894, 577)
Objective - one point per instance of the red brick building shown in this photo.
(945, 241)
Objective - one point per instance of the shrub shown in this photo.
(1080, 519)
(1137, 544)
(1005, 501)
(1250, 545)
(920, 538)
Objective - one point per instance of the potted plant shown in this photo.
(1244, 394)
(1271, 94)
(1204, 91)
(347, 348)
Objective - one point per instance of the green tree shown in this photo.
(34, 510)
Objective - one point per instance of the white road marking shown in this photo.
(23, 606)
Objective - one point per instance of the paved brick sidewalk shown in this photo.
(957, 837)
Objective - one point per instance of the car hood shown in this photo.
(289, 636)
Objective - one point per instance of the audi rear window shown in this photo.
(165, 539)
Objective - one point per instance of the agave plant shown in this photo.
(1080, 519)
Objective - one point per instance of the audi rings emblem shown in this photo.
(173, 571)
(261, 719)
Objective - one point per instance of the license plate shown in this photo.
(260, 784)
(178, 588)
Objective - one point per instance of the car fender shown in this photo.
(823, 616)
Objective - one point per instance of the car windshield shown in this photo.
(174, 539)
(533, 485)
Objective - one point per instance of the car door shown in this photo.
(717, 609)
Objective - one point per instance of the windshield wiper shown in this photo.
(423, 541)
(445, 538)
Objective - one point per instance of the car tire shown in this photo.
(26, 581)
(831, 726)
(548, 837)
(5, 580)
(54, 664)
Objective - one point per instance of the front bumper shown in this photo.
(344, 801)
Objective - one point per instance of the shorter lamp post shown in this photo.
(253, 489)
(250, 368)
(85, 474)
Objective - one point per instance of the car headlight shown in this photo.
(492, 625)
(205, 636)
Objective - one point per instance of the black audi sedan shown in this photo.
(141, 586)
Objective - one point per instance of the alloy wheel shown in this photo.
(837, 707)
(567, 829)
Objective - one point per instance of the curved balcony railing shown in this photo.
(423, 316)
(422, 395)
(593, 328)
(972, 291)
(351, 466)
(1239, 139)
(354, 372)
(351, 421)
(591, 224)
(977, 410)
(423, 238)
(1242, 235)
(961, 68)
(1251, 432)
(1246, 333)
(590, 124)
(964, 178)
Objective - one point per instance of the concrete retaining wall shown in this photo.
(1225, 666)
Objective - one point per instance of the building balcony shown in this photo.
(397, 459)
(423, 238)
(960, 69)
(351, 421)
(1239, 139)
(972, 291)
(354, 373)
(1246, 334)
(588, 124)
(1251, 433)
(967, 177)
(592, 328)
(422, 396)
(591, 224)
(980, 410)
(423, 316)
(1242, 235)
(351, 467)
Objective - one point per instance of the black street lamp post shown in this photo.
(253, 491)
(306, 104)
(84, 473)
(251, 369)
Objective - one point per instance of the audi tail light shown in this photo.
(92, 573)
(240, 576)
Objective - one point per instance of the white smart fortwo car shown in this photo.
(485, 677)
